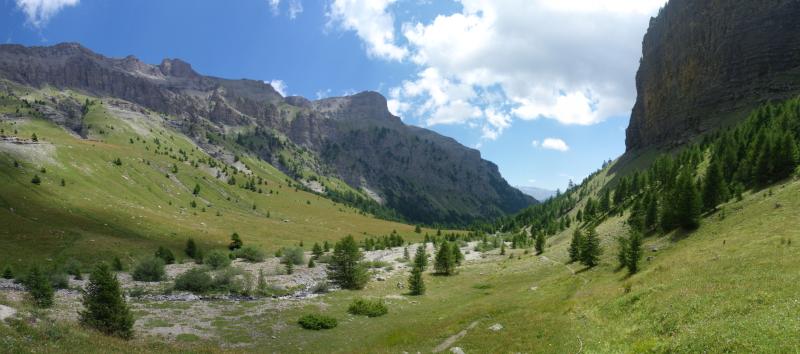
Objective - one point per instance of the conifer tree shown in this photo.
(540, 242)
(116, 264)
(289, 267)
(345, 268)
(39, 288)
(458, 257)
(421, 258)
(326, 247)
(714, 189)
(165, 254)
(191, 248)
(8, 273)
(104, 305)
(590, 249)
(311, 263)
(688, 203)
(623, 252)
(417, 229)
(406, 256)
(236, 242)
(575, 246)
(502, 247)
(316, 250)
(196, 190)
(416, 284)
(634, 252)
(445, 264)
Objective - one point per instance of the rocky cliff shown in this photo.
(422, 175)
(705, 62)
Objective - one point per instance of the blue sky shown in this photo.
(542, 88)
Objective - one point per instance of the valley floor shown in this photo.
(730, 286)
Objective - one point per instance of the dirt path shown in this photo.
(452, 339)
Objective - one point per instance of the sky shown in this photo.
(543, 88)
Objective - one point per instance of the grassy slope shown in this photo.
(729, 286)
(126, 209)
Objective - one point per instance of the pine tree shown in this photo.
(36, 180)
(406, 256)
(289, 267)
(623, 252)
(345, 268)
(421, 258)
(262, 283)
(540, 241)
(651, 213)
(458, 257)
(191, 248)
(316, 250)
(104, 305)
(8, 273)
(417, 229)
(445, 264)
(575, 246)
(236, 242)
(416, 284)
(590, 249)
(39, 288)
(311, 263)
(688, 203)
(714, 189)
(326, 246)
(165, 254)
(634, 252)
(502, 248)
(196, 190)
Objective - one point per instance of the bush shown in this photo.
(294, 255)
(59, 279)
(149, 269)
(234, 281)
(217, 260)
(368, 308)
(194, 280)
(250, 254)
(8, 273)
(317, 322)
(166, 255)
(73, 268)
(117, 265)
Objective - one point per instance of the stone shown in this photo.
(496, 327)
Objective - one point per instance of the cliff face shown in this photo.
(424, 176)
(705, 61)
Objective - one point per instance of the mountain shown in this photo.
(706, 64)
(537, 193)
(416, 173)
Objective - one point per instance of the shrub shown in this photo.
(117, 265)
(191, 248)
(294, 255)
(194, 280)
(104, 305)
(165, 254)
(36, 180)
(149, 269)
(73, 268)
(368, 308)
(234, 281)
(217, 260)
(250, 254)
(236, 242)
(317, 322)
(59, 279)
(8, 273)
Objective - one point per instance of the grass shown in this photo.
(128, 210)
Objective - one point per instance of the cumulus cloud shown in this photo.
(555, 144)
(279, 86)
(274, 5)
(39, 12)
(572, 61)
(372, 22)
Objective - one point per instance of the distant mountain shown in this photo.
(537, 193)
(421, 175)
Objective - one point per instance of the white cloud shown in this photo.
(372, 23)
(274, 5)
(295, 8)
(535, 143)
(279, 86)
(572, 61)
(39, 12)
(555, 144)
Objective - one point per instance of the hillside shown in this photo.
(706, 64)
(412, 172)
(90, 208)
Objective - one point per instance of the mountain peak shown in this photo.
(177, 68)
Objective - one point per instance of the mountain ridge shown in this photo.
(424, 176)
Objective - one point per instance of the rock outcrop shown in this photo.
(422, 175)
(705, 63)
